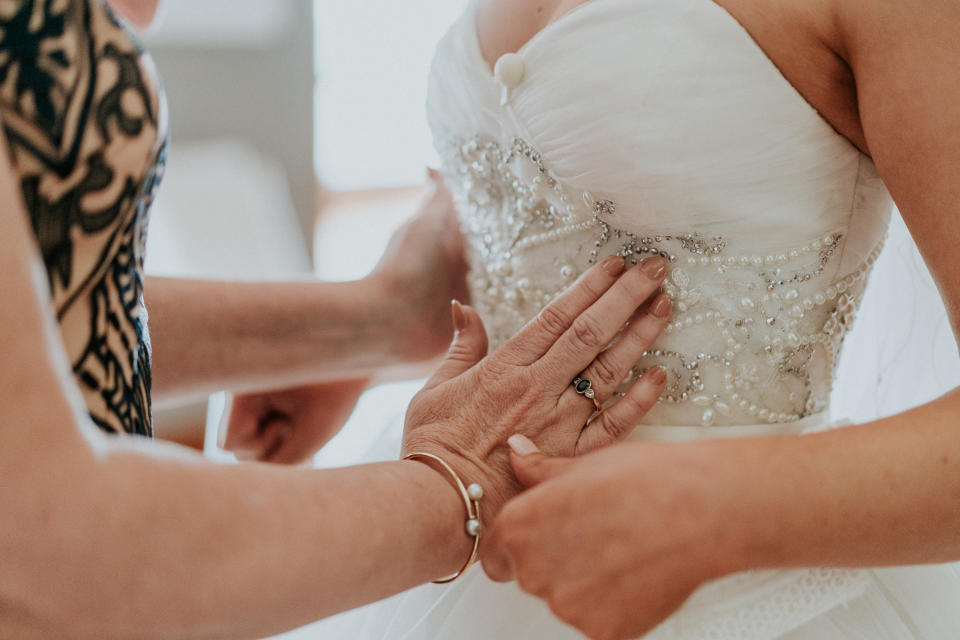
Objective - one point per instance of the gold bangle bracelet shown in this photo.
(471, 499)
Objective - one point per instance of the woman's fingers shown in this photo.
(254, 427)
(593, 329)
(276, 430)
(617, 422)
(536, 338)
(238, 430)
(469, 345)
(607, 371)
(531, 466)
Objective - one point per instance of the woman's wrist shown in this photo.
(722, 483)
(415, 325)
(471, 494)
(358, 324)
(745, 489)
(392, 319)
(449, 539)
(493, 474)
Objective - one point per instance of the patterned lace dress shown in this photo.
(85, 125)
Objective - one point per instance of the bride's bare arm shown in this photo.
(884, 493)
(888, 493)
(209, 336)
(126, 538)
(890, 490)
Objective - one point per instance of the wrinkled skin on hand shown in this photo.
(476, 402)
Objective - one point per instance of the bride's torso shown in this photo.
(659, 126)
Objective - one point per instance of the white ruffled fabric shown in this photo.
(908, 603)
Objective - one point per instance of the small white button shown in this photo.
(510, 70)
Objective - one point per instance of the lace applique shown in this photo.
(754, 336)
(761, 605)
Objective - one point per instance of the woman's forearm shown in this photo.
(879, 494)
(145, 547)
(209, 336)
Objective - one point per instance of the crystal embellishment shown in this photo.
(754, 337)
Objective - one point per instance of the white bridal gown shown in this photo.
(659, 127)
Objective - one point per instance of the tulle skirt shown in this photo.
(904, 603)
(911, 603)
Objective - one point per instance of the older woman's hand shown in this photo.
(473, 404)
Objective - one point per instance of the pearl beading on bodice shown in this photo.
(755, 334)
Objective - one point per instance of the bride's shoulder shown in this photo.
(871, 21)
(894, 47)
(827, 48)
(904, 57)
(804, 39)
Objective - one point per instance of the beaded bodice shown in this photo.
(755, 334)
(770, 220)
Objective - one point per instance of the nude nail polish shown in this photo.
(613, 265)
(459, 317)
(658, 375)
(522, 445)
(662, 306)
(655, 268)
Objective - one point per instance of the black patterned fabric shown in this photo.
(85, 126)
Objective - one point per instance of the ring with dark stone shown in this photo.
(585, 388)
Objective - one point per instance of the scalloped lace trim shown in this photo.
(761, 605)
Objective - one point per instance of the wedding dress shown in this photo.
(659, 127)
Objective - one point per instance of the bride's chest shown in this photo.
(665, 108)
(799, 37)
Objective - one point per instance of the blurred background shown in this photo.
(285, 159)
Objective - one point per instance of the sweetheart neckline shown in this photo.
(532, 39)
(580, 10)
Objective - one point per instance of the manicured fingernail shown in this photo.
(662, 306)
(459, 317)
(522, 445)
(613, 265)
(658, 375)
(655, 268)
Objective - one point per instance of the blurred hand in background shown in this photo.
(421, 271)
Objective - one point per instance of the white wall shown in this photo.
(237, 200)
(242, 70)
(372, 60)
